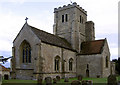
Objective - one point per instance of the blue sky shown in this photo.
(104, 13)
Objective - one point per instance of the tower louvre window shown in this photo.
(62, 18)
(66, 17)
(80, 19)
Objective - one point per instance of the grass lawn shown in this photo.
(95, 80)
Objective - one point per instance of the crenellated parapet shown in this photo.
(70, 6)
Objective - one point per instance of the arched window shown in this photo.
(106, 61)
(57, 63)
(70, 64)
(26, 52)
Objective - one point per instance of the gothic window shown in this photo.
(57, 63)
(70, 64)
(66, 17)
(62, 18)
(26, 53)
(106, 61)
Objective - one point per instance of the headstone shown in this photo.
(54, 80)
(66, 79)
(58, 78)
(112, 80)
(87, 82)
(76, 82)
(39, 80)
(48, 81)
(80, 77)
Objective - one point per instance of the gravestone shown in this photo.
(54, 80)
(39, 80)
(87, 82)
(112, 80)
(76, 82)
(80, 77)
(48, 81)
(66, 79)
(58, 78)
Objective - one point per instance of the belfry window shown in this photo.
(70, 64)
(57, 63)
(66, 17)
(26, 53)
(62, 18)
(80, 18)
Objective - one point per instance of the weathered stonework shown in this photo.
(71, 30)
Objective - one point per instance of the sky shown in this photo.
(40, 13)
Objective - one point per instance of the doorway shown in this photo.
(87, 73)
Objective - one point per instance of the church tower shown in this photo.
(69, 23)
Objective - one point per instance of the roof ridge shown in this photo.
(52, 39)
(4, 68)
(47, 32)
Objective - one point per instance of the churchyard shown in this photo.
(95, 81)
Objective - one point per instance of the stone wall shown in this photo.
(25, 74)
(94, 65)
(105, 53)
(49, 53)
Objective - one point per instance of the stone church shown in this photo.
(71, 51)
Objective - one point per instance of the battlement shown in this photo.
(70, 6)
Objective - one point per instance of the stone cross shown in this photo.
(26, 19)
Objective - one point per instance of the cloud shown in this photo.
(103, 13)
(114, 53)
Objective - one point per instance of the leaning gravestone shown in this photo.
(54, 80)
(111, 80)
(48, 81)
(39, 81)
(76, 82)
(66, 79)
(58, 78)
(80, 77)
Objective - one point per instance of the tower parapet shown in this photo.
(70, 6)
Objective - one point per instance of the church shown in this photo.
(70, 51)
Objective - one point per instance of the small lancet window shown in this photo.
(62, 18)
(106, 61)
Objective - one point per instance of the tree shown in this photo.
(117, 65)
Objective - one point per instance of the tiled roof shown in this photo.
(51, 39)
(92, 47)
(3, 68)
